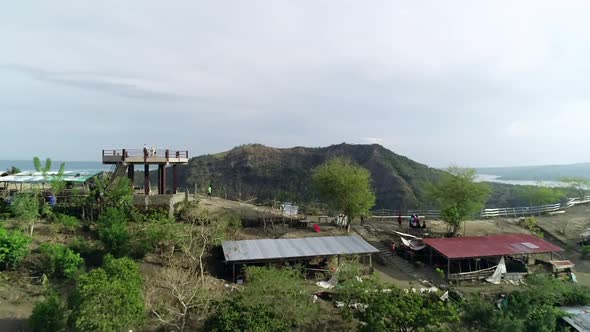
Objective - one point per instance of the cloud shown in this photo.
(123, 86)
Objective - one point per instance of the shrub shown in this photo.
(26, 207)
(234, 315)
(90, 252)
(109, 298)
(49, 315)
(113, 232)
(68, 223)
(586, 252)
(61, 262)
(14, 246)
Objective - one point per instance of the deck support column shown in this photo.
(234, 272)
(162, 179)
(146, 181)
(448, 268)
(174, 178)
(131, 174)
(370, 261)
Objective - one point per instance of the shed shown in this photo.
(269, 250)
(578, 317)
(475, 247)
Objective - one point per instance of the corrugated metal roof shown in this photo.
(268, 249)
(579, 317)
(37, 177)
(491, 245)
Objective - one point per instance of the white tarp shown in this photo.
(496, 278)
(414, 245)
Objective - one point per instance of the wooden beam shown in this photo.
(146, 179)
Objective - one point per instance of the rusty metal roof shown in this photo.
(270, 249)
(490, 245)
(578, 318)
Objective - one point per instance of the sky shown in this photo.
(470, 83)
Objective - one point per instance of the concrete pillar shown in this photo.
(131, 174)
(161, 186)
(174, 178)
(146, 180)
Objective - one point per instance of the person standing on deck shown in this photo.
(399, 219)
(209, 191)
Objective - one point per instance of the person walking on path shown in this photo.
(209, 191)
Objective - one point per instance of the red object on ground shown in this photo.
(316, 227)
(491, 245)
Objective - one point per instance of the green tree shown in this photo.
(25, 206)
(60, 261)
(272, 300)
(541, 194)
(458, 196)
(345, 186)
(55, 180)
(109, 298)
(113, 232)
(578, 184)
(394, 309)
(13, 170)
(532, 309)
(49, 315)
(14, 246)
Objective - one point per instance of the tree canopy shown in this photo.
(458, 196)
(109, 298)
(345, 186)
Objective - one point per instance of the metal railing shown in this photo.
(489, 213)
(145, 153)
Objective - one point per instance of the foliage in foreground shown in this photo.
(345, 186)
(458, 196)
(49, 315)
(534, 309)
(109, 298)
(388, 308)
(61, 262)
(14, 246)
(113, 232)
(272, 300)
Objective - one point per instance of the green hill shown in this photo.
(266, 173)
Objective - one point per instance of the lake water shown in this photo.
(497, 179)
(27, 165)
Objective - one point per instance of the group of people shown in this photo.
(148, 153)
(414, 222)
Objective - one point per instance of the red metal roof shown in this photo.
(490, 245)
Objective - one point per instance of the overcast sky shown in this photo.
(472, 83)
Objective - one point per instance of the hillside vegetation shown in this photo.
(266, 173)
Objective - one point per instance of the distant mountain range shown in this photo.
(538, 173)
(266, 173)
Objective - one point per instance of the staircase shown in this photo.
(118, 172)
(385, 252)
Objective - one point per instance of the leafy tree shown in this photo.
(49, 315)
(578, 184)
(109, 298)
(388, 308)
(13, 170)
(55, 180)
(234, 315)
(25, 206)
(345, 186)
(113, 232)
(181, 292)
(120, 194)
(61, 262)
(541, 195)
(532, 309)
(458, 196)
(272, 300)
(14, 246)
